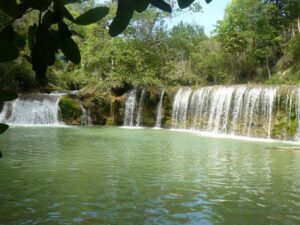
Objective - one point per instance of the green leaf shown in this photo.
(7, 33)
(70, 49)
(184, 3)
(124, 14)
(75, 33)
(47, 45)
(7, 95)
(64, 30)
(32, 36)
(38, 63)
(162, 5)
(8, 52)
(41, 5)
(67, 14)
(50, 18)
(141, 5)
(21, 9)
(9, 7)
(92, 16)
(3, 128)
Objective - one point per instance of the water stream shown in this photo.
(32, 109)
(159, 115)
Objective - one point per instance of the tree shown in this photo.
(52, 32)
(247, 29)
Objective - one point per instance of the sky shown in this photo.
(210, 14)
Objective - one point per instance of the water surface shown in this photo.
(100, 175)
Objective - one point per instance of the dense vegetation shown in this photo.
(257, 41)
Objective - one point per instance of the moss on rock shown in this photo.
(70, 110)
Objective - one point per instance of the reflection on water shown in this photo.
(102, 175)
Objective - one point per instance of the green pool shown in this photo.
(100, 175)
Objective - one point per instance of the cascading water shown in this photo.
(32, 109)
(236, 110)
(130, 108)
(159, 115)
(86, 116)
(134, 108)
(180, 108)
(140, 109)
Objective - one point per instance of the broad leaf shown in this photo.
(162, 5)
(9, 7)
(141, 5)
(39, 4)
(46, 45)
(7, 33)
(8, 52)
(67, 14)
(75, 33)
(7, 95)
(124, 14)
(64, 30)
(32, 36)
(38, 62)
(3, 128)
(70, 49)
(184, 3)
(92, 16)
(51, 18)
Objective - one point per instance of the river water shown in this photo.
(102, 175)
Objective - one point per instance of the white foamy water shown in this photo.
(32, 109)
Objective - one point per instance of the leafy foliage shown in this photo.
(45, 40)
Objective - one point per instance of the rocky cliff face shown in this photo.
(247, 110)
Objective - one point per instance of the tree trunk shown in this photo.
(299, 25)
(268, 66)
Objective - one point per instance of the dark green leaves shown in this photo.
(70, 49)
(42, 49)
(185, 3)
(8, 49)
(141, 5)
(9, 7)
(124, 14)
(6, 95)
(162, 5)
(8, 52)
(41, 5)
(3, 128)
(92, 16)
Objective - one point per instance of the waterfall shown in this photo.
(159, 115)
(134, 110)
(237, 110)
(297, 113)
(130, 108)
(86, 116)
(180, 108)
(32, 109)
(140, 108)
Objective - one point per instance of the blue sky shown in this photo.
(210, 14)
